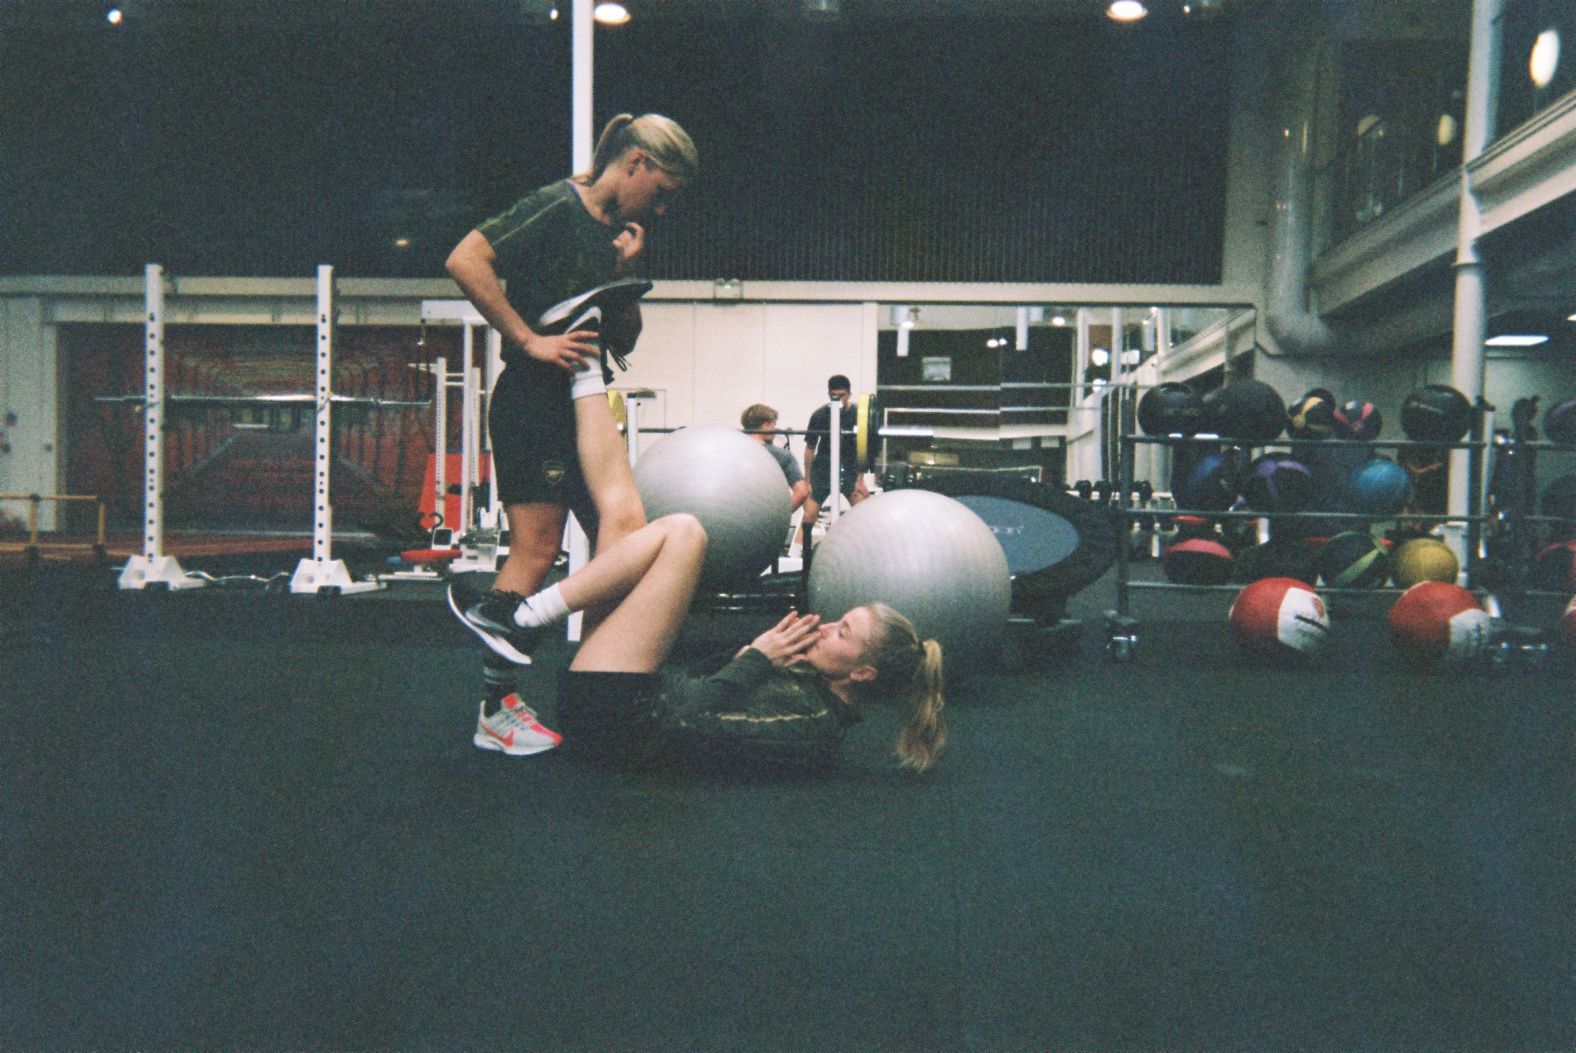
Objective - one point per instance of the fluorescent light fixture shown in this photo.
(1545, 58)
(1126, 10)
(1516, 340)
(611, 14)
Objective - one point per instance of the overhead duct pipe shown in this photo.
(1292, 328)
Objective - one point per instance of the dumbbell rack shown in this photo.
(1123, 629)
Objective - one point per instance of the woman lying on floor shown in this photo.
(788, 696)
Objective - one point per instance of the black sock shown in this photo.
(501, 678)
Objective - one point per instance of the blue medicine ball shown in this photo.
(1213, 482)
(1378, 487)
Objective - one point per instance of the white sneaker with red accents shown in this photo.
(514, 730)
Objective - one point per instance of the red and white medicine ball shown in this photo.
(1439, 620)
(1568, 624)
(1279, 618)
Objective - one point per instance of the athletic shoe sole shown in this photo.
(495, 641)
(487, 742)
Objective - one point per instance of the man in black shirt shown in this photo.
(818, 455)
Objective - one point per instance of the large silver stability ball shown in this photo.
(929, 557)
(731, 484)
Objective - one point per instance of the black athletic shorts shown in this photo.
(821, 482)
(531, 424)
(637, 720)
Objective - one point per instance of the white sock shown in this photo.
(544, 608)
(587, 382)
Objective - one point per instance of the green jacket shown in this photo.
(738, 704)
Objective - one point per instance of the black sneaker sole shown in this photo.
(496, 641)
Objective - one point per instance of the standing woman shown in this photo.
(555, 445)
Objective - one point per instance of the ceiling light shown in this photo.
(1126, 10)
(1099, 358)
(1516, 340)
(611, 14)
(1060, 319)
(826, 10)
(1572, 318)
(1545, 58)
(115, 16)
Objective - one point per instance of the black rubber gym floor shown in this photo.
(247, 821)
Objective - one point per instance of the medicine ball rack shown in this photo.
(1123, 629)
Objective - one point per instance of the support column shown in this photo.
(153, 568)
(583, 133)
(1470, 321)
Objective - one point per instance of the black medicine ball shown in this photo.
(1171, 409)
(1559, 501)
(1559, 422)
(1312, 416)
(1250, 410)
(1277, 483)
(1197, 561)
(1436, 413)
(1278, 558)
(1358, 419)
(1353, 560)
(1554, 568)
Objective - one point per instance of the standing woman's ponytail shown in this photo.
(668, 145)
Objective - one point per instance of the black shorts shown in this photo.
(639, 720)
(531, 425)
(821, 483)
(611, 718)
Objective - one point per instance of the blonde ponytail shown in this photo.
(926, 732)
(912, 671)
(669, 146)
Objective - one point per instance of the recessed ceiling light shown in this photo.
(1516, 340)
(1126, 10)
(1545, 58)
(611, 14)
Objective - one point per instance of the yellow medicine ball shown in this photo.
(1424, 559)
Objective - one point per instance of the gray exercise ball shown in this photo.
(929, 557)
(731, 484)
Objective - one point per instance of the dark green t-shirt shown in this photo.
(549, 248)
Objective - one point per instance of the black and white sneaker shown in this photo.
(490, 615)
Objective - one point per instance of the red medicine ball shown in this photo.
(1439, 620)
(1279, 618)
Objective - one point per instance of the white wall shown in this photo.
(28, 389)
(708, 361)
